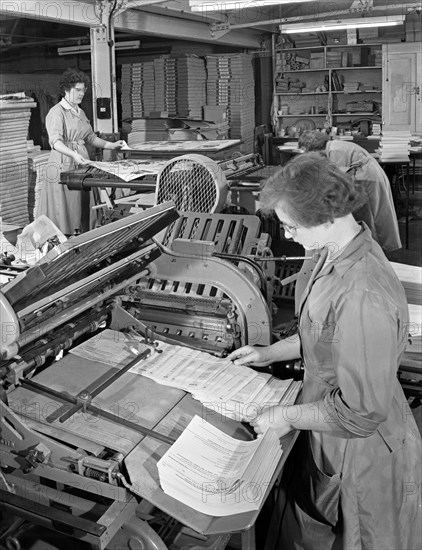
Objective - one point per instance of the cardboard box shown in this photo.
(352, 37)
(316, 63)
(215, 113)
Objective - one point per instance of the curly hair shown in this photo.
(313, 191)
(313, 140)
(71, 77)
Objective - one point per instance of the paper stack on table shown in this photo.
(216, 474)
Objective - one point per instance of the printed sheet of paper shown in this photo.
(129, 170)
(234, 391)
(110, 347)
(193, 371)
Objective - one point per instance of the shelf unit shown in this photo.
(332, 85)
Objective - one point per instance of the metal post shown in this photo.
(103, 70)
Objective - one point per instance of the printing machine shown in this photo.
(79, 439)
(194, 182)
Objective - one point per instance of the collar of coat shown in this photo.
(68, 107)
(354, 251)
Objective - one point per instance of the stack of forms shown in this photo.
(230, 82)
(394, 145)
(147, 129)
(14, 123)
(181, 87)
(166, 88)
(138, 90)
(191, 77)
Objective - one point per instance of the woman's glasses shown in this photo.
(292, 229)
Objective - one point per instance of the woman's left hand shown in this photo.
(271, 417)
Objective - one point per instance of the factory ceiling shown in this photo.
(50, 23)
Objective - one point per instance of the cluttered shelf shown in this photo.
(325, 76)
(322, 48)
(339, 68)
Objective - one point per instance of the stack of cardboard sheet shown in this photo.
(138, 90)
(37, 176)
(15, 113)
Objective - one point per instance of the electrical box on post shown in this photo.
(103, 107)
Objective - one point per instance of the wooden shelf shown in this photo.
(327, 46)
(364, 113)
(300, 93)
(305, 71)
(366, 67)
(323, 78)
(305, 115)
(357, 92)
(326, 93)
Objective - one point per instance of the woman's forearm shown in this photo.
(286, 349)
(101, 143)
(64, 149)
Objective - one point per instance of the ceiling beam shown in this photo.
(139, 22)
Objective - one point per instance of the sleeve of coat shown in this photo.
(364, 354)
(55, 126)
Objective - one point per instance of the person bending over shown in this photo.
(378, 210)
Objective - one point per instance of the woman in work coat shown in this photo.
(354, 480)
(69, 131)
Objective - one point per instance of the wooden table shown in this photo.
(171, 149)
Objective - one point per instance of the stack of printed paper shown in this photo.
(217, 474)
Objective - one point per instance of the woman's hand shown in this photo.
(250, 355)
(276, 418)
(119, 144)
(79, 159)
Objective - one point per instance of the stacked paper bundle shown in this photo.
(147, 129)
(411, 278)
(376, 130)
(349, 87)
(191, 78)
(394, 145)
(217, 474)
(138, 91)
(230, 82)
(14, 123)
(37, 176)
(165, 71)
(308, 40)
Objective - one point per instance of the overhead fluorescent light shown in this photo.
(335, 25)
(72, 50)
(227, 5)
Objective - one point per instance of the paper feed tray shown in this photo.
(85, 254)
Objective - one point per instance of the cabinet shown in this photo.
(402, 81)
(333, 85)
